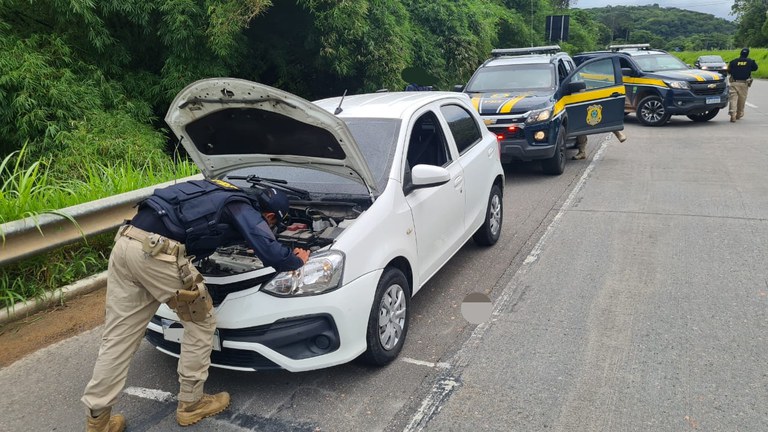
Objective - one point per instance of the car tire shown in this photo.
(390, 306)
(705, 116)
(652, 112)
(488, 234)
(556, 164)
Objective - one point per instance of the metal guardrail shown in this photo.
(35, 235)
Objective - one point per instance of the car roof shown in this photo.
(518, 60)
(386, 104)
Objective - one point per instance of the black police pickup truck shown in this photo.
(659, 85)
(537, 101)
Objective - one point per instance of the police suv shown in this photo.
(659, 85)
(537, 101)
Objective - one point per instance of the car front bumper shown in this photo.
(258, 331)
(685, 102)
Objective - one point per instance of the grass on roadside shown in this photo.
(34, 277)
(28, 190)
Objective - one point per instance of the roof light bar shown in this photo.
(549, 49)
(643, 46)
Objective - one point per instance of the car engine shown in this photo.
(312, 227)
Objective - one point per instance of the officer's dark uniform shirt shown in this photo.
(244, 222)
(741, 68)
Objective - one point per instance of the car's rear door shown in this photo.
(593, 97)
(477, 149)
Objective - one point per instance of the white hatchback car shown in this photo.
(384, 188)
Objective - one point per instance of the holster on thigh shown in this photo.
(192, 302)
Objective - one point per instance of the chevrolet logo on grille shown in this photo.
(489, 121)
(712, 86)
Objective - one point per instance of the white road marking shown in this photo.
(751, 105)
(441, 365)
(446, 383)
(156, 395)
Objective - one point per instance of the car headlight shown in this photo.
(704, 67)
(539, 115)
(679, 84)
(321, 273)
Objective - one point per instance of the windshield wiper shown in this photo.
(281, 184)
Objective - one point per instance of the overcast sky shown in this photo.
(718, 8)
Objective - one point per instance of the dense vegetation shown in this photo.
(666, 28)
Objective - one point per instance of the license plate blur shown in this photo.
(713, 100)
(174, 332)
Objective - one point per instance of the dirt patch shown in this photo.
(28, 335)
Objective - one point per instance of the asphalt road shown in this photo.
(629, 293)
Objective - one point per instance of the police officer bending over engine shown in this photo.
(151, 264)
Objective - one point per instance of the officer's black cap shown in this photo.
(275, 201)
(745, 52)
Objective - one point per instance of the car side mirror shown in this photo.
(575, 87)
(627, 72)
(426, 176)
(458, 88)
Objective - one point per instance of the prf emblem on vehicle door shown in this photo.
(594, 114)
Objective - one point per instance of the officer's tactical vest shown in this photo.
(192, 212)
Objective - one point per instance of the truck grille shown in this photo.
(706, 90)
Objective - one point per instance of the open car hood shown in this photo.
(229, 123)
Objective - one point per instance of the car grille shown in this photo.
(519, 133)
(219, 292)
(226, 357)
(706, 90)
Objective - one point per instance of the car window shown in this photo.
(463, 126)
(512, 78)
(427, 144)
(597, 75)
(711, 59)
(659, 62)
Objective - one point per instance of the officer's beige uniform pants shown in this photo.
(737, 97)
(137, 284)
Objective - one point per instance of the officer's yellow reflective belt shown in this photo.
(644, 81)
(507, 106)
(587, 96)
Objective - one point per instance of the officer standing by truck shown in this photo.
(740, 71)
(151, 264)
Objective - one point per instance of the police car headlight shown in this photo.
(539, 116)
(679, 84)
(321, 273)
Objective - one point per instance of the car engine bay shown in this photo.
(313, 226)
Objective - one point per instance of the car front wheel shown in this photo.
(705, 116)
(388, 321)
(488, 234)
(651, 111)
(556, 164)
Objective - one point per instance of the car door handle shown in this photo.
(616, 94)
(458, 182)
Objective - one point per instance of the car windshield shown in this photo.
(377, 140)
(711, 59)
(513, 78)
(659, 62)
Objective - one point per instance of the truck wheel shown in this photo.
(651, 111)
(705, 116)
(556, 164)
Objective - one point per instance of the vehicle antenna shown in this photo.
(338, 108)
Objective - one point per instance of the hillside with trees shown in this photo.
(666, 28)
